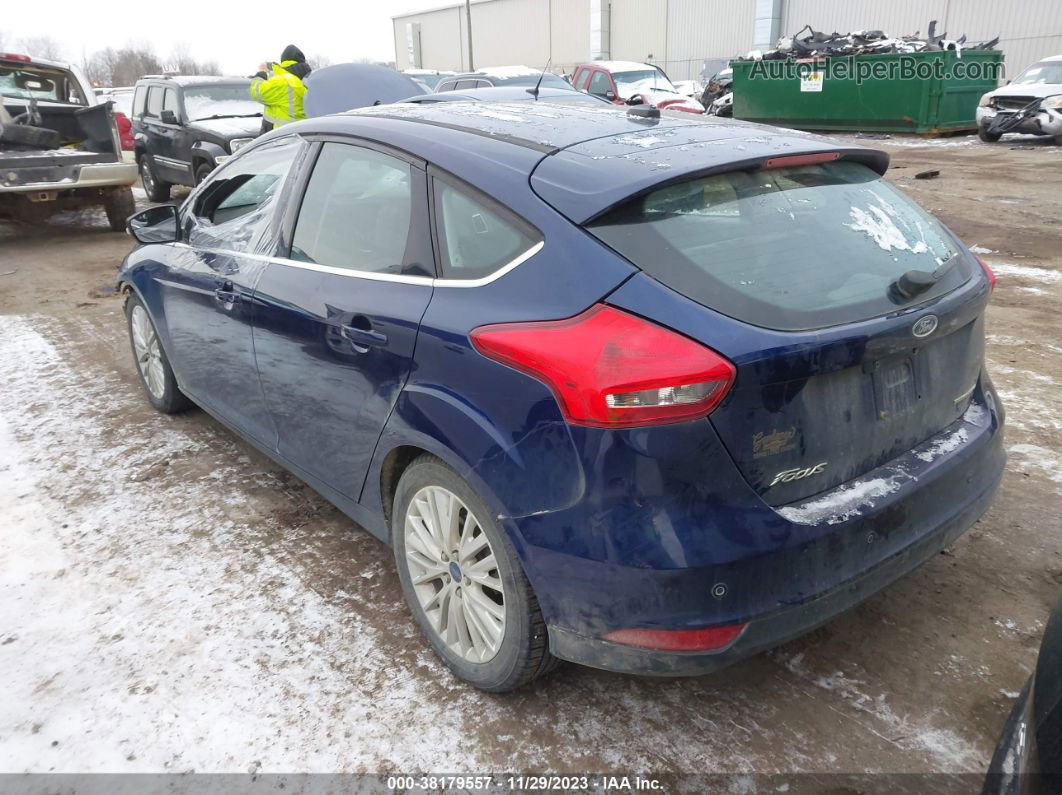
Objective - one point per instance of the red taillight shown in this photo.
(709, 639)
(610, 369)
(10, 56)
(125, 130)
(988, 272)
(801, 160)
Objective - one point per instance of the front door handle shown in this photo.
(226, 293)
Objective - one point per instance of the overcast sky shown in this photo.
(237, 34)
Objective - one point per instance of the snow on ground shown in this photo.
(139, 639)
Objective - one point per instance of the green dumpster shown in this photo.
(924, 92)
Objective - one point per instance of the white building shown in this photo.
(687, 37)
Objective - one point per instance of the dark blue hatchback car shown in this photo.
(644, 393)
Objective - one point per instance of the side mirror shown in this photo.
(610, 95)
(155, 225)
(168, 117)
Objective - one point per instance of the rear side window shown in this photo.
(478, 237)
(154, 101)
(356, 211)
(789, 248)
(139, 101)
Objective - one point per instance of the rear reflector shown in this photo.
(709, 639)
(610, 369)
(801, 160)
(988, 272)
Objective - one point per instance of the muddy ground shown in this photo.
(174, 601)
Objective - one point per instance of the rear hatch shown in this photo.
(795, 271)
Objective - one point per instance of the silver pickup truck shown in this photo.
(59, 145)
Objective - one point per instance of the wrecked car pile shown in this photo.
(864, 42)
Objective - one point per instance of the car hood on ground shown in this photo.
(347, 86)
(1040, 90)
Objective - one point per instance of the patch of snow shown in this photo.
(981, 250)
(644, 141)
(877, 221)
(1026, 272)
(975, 414)
(949, 444)
(1009, 693)
(842, 503)
(1033, 456)
(493, 114)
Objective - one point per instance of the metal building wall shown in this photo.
(505, 32)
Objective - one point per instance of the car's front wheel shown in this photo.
(202, 171)
(156, 375)
(155, 188)
(464, 582)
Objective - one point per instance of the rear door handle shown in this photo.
(364, 336)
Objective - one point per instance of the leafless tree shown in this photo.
(41, 47)
(319, 61)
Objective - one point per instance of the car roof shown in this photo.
(582, 159)
(504, 94)
(196, 80)
(621, 66)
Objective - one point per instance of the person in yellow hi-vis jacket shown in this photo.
(279, 87)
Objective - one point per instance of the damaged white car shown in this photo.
(1031, 104)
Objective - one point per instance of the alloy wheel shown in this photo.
(454, 574)
(148, 352)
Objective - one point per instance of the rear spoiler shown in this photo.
(583, 187)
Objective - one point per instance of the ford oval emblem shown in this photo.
(925, 326)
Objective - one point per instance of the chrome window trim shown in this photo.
(377, 277)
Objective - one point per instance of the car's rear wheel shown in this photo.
(988, 137)
(464, 582)
(119, 205)
(155, 188)
(156, 375)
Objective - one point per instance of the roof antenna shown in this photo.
(534, 91)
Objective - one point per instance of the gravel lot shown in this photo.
(173, 601)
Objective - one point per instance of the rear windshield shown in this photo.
(43, 83)
(789, 248)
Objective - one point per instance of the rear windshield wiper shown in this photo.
(915, 282)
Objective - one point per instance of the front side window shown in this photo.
(356, 211)
(788, 248)
(599, 84)
(477, 236)
(169, 101)
(234, 207)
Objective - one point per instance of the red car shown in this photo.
(628, 82)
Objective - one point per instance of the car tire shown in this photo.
(152, 365)
(119, 205)
(986, 136)
(520, 649)
(202, 171)
(155, 188)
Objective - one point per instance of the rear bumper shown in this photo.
(65, 178)
(767, 631)
(780, 571)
